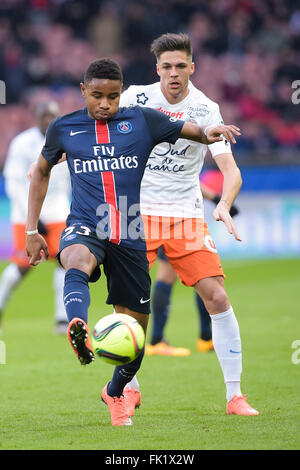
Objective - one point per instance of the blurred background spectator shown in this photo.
(247, 55)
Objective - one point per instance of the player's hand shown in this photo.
(31, 170)
(215, 133)
(221, 212)
(233, 210)
(36, 248)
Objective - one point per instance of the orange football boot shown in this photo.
(78, 335)
(238, 406)
(117, 407)
(164, 349)
(133, 399)
(204, 346)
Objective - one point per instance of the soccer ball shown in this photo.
(118, 339)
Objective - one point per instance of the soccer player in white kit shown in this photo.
(172, 203)
(23, 151)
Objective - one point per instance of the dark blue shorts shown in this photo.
(126, 270)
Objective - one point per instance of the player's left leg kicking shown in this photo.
(80, 262)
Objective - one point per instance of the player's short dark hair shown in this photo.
(171, 42)
(103, 68)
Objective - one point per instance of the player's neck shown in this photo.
(174, 98)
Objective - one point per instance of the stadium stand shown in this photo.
(251, 48)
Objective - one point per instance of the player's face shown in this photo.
(174, 69)
(102, 97)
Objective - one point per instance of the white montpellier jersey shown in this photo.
(24, 150)
(170, 186)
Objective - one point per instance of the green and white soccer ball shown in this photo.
(118, 339)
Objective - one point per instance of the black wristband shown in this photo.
(41, 228)
(233, 211)
(216, 199)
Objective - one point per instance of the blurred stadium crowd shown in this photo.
(247, 55)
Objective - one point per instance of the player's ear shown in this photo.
(83, 89)
(192, 68)
(157, 70)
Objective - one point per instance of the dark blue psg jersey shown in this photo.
(106, 160)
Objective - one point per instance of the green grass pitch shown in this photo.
(49, 401)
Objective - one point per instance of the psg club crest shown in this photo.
(70, 237)
(124, 127)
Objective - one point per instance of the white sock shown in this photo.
(227, 344)
(233, 388)
(58, 283)
(10, 278)
(133, 383)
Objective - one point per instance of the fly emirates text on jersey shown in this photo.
(106, 164)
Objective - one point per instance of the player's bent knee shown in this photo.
(78, 257)
(219, 301)
(213, 294)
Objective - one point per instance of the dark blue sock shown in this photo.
(76, 294)
(204, 319)
(160, 309)
(122, 375)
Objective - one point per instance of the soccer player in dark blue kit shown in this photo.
(106, 148)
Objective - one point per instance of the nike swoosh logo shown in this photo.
(234, 352)
(142, 301)
(75, 133)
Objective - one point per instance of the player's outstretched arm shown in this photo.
(35, 243)
(232, 183)
(210, 134)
